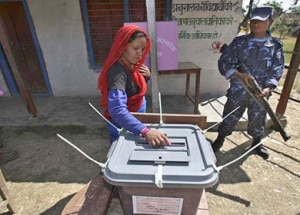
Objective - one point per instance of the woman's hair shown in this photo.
(137, 34)
(125, 35)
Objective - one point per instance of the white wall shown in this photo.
(59, 27)
(60, 31)
(200, 51)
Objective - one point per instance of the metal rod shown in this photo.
(118, 129)
(150, 5)
(160, 109)
(83, 153)
(204, 131)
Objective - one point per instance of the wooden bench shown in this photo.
(5, 196)
(94, 198)
(169, 118)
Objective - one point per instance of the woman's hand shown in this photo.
(144, 70)
(156, 138)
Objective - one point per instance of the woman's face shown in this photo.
(134, 51)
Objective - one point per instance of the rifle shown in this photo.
(262, 101)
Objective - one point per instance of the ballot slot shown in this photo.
(180, 142)
(177, 151)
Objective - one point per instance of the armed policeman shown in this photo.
(263, 56)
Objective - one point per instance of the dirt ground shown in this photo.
(48, 172)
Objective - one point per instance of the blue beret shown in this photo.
(261, 13)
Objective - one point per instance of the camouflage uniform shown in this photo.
(265, 62)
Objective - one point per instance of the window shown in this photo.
(102, 19)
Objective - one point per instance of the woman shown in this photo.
(123, 86)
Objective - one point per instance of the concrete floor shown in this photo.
(77, 111)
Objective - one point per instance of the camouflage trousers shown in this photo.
(256, 115)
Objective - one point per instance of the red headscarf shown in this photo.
(117, 49)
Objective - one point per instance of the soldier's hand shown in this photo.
(266, 92)
(247, 79)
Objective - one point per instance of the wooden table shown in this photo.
(187, 68)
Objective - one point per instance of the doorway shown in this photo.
(23, 49)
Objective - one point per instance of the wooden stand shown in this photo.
(203, 206)
(94, 198)
(4, 195)
(168, 118)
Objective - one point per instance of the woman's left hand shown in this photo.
(144, 70)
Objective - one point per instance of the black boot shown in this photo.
(218, 143)
(260, 150)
